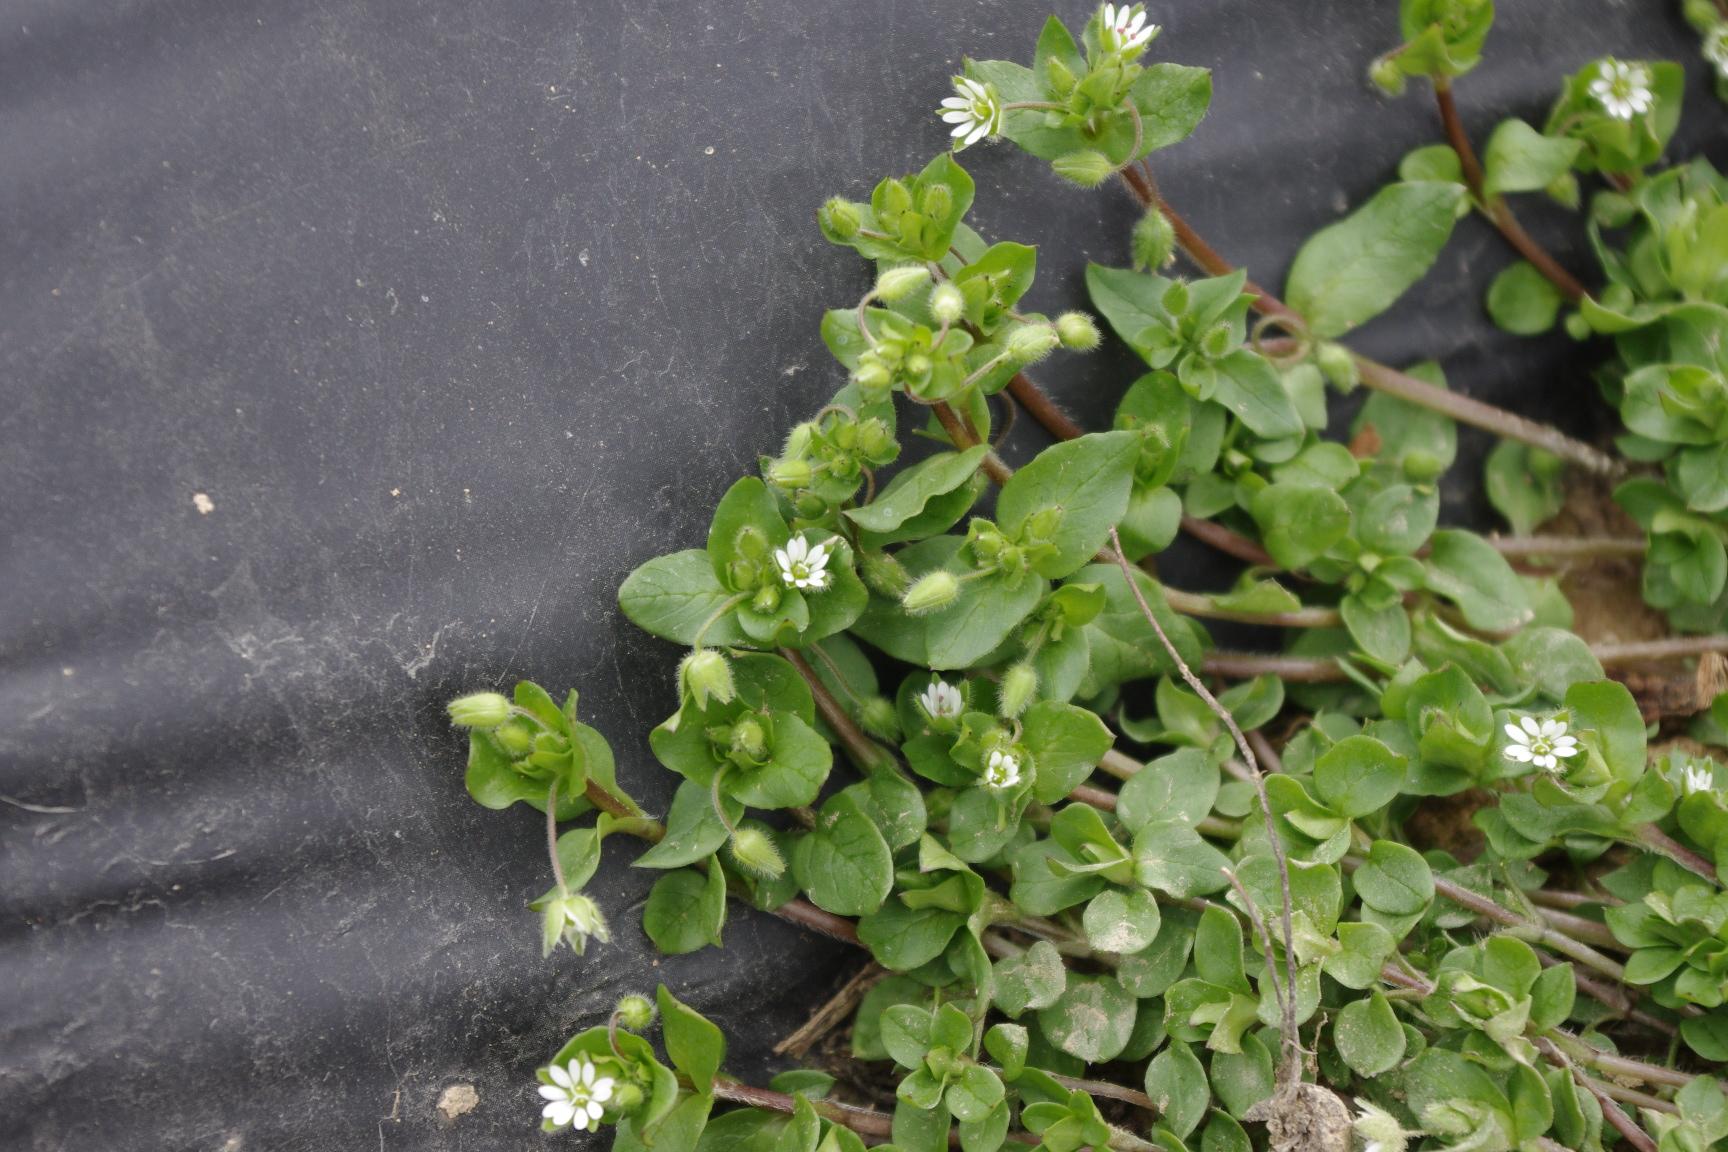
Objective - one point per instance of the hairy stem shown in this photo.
(1291, 1069)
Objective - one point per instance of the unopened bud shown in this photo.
(947, 304)
(1175, 299)
(1086, 167)
(936, 201)
(767, 599)
(1379, 1129)
(880, 719)
(1030, 343)
(481, 710)
(873, 376)
(1422, 466)
(1153, 244)
(748, 738)
(875, 440)
(1015, 693)
(931, 593)
(883, 574)
(1043, 524)
(1563, 190)
(1338, 366)
(706, 675)
(798, 440)
(895, 199)
(1077, 331)
(790, 473)
(840, 218)
(1215, 342)
(754, 851)
(899, 283)
(1577, 327)
(1387, 76)
(635, 1012)
(517, 737)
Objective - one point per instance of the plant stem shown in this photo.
(1663, 844)
(1568, 547)
(1291, 1069)
(1495, 207)
(1197, 604)
(1378, 376)
(864, 1121)
(1674, 647)
(964, 436)
(1303, 670)
(552, 837)
(868, 755)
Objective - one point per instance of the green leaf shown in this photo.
(1218, 950)
(1608, 709)
(1523, 301)
(1121, 920)
(1242, 1079)
(1299, 522)
(1520, 159)
(1181, 786)
(1524, 485)
(1172, 100)
(1369, 1038)
(974, 1095)
(673, 596)
(1035, 978)
(1177, 1084)
(844, 863)
(686, 909)
(1358, 775)
(908, 493)
(695, 1044)
(1395, 879)
(906, 1034)
(1250, 388)
(693, 829)
(1355, 269)
(1087, 481)
(903, 938)
(1066, 742)
(1467, 570)
(1171, 857)
(1383, 633)
(1432, 162)
(1092, 1020)
(980, 619)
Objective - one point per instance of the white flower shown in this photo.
(1696, 778)
(1002, 771)
(1543, 745)
(975, 112)
(1124, 27)
(803, 565)
(1716, 49)
(574, 919)
(575, 1095)
(1623, 90)
(941, 700)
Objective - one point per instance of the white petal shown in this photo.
(1529, 725)
(978, 134)
(594, 1110)
(561, 1075)
(1517, 753)
(1553, 728)
(1516, 733)
(584, 1124)
(1547, 763)
(587, 1073)
(560, 1113)
(958, 103)
(603, 1088)
(548, 1092)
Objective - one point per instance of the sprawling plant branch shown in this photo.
(1498, 211)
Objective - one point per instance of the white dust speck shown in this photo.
(708, 151)
(582, 257)
(203, 503)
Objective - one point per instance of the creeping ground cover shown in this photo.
(1438, 874)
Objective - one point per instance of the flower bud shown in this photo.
(936, 201)
(1422, 466)
(873, 376)
(880, 719)
(1077, 331)
(918, 365)
(1379, 1129)
(706, 675)
(1018, 685)
(876, 441)
(1338, 366)
(1086, 167)
(1043, 524)
(767, 599)
(1387, 76)
(1215, 342)
(480, 710)
(1030, 343)
(1153, 243)
(517, 737)
(748, 738)
(790, 473)
(1061, 76)
(798, 440)
(899, 283)
(947, 304)
(883, 574)
(754, 851)
(635, 1013)
(896, 198)
(840, 218)
(930, 593)
(1577, 327)
(1175, 299)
